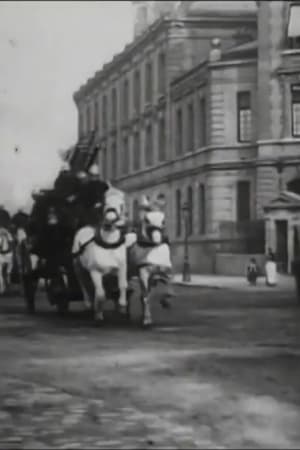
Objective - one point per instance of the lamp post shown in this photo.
(186, 273)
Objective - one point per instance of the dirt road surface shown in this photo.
(221, 370)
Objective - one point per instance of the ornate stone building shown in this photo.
(201, 106)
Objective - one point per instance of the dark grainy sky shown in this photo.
(48, 49)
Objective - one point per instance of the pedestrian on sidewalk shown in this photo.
(271, 269)
(252, 272)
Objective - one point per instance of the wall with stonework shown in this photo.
(275, 139)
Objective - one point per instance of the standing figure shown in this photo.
(271, 269)
(252, 272)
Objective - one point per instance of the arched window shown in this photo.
(190, 201)
(137, 91)
(114, 105)
(178, 212)
(135, 211)
(162, 139)
(148, 83)
(161, 73)
(136, 151)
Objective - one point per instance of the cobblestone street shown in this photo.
(221, 370)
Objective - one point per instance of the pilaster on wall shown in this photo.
(267, 188)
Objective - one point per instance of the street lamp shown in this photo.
(186, 273)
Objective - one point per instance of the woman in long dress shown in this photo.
(271, 269)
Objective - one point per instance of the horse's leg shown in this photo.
(79, 274)
(9, 268)
(97, 278)
(122, 279)
(144, 277)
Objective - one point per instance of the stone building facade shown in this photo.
(200, 106)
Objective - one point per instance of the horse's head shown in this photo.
(113, 209)
(152, 216)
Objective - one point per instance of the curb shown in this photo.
(191, 285)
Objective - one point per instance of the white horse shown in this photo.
(150, 253)
(100, 251)
(6, 259)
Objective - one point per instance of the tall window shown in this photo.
(88, 119)
(135, 212)
(293, 26)
(202, 209)
(243, 201)
(114, 160)
(104, 161)
(190, 201)
(244, 116)
(190, 128)
(125, 155)
(295, 91)
(178, 212)
(149, 83)
(203, 122)
(80, 124)
(162, 139)
(104, 113)
(178, 132)
(149, 145)
(136, 151)
(125, 100)
(137, 91)
(161, 72)
(96, 115)
(114, 105)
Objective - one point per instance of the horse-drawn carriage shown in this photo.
(76, 240)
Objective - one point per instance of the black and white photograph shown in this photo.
(149, 224)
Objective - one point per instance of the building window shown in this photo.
(243, 201)
(161, 73)
(148, 84)
(244, 116)
(162, 139)
(293, 26)
(149, 146)
(96, 115)
(191, 128)
(114, 106)
(135, 211)
(80, 124)
(104, 113)
(203, 122)
(114, 160)
(178, 212)
(88, 119)
(295, 110)
(125, 155)
(137, 91)
(125, 100)
(178, 132)
(104, 161)
(190, 202)
(202, 209)
(136, 151)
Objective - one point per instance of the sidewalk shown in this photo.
(285, 283)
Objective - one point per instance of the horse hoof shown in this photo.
(122, 309)
(147, 324)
